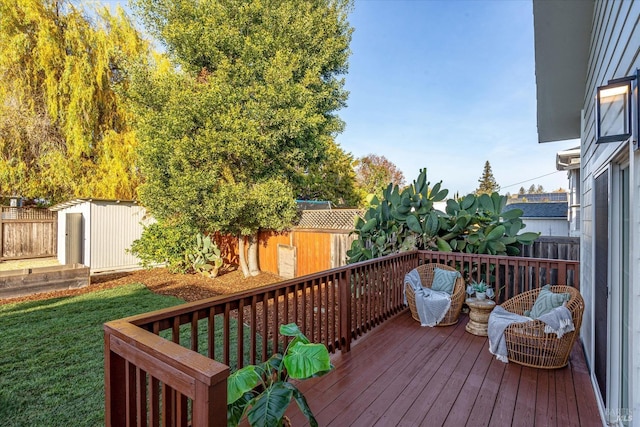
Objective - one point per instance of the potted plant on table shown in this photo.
(263, 392)
(480, 289)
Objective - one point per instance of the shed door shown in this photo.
(73, 238)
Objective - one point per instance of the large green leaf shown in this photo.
(496, 233)
(527, 238)
(269, 408)
(414, 224)
(486, 203)
(443, 246)
(302, 404)
(440, 196)
(370, 225)
(467, 201)
(431, 224)
(452, 207)
(512, 214)
(236, 410)
(242, 381)
(305, 360)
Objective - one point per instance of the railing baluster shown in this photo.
(337, 307)
(254, 332)
(240, 335)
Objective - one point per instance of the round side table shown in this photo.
(479, 311)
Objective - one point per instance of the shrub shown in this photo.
(167, 244)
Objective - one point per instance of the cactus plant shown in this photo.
(204, 257)
(406, 219)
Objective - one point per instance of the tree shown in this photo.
(250, 103)
(532, 189)
(64, 128)
(332, 179)
(374, 173)
(540, 189)
(522, 191)
(487, 182)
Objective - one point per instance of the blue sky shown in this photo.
(447, 85)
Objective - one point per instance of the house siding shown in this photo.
(614, 53)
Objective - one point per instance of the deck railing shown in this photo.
(169, 367)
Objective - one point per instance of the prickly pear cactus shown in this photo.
(204, 257)
(406, 219)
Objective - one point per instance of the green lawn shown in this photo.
(51, 355)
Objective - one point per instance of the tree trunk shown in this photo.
(241, 257)
(254, 268)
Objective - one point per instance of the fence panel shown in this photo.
(27, 233)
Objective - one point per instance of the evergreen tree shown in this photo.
(540, 189)
(487, 182)
(532, 189)
(522, 191)
(250, 104)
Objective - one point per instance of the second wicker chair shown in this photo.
(528, 344)
(426, 272)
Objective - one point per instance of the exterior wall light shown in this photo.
(614, 110)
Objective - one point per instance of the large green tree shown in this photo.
(249, 103)
(374, 173)
(64, 129)
(332, 179)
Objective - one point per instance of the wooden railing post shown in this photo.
(115, 390)
(210, 402)
(345, 310)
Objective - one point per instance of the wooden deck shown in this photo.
(401, 374)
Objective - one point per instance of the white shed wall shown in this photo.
(546, 226)
(114, 226)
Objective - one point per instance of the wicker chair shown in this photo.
(426, 278)
(528, 344)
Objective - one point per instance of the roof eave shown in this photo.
(562, 32)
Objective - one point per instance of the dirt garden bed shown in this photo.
(189, 287)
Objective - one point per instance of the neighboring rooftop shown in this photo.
(538, 197)
(307, 205)
(540, 210)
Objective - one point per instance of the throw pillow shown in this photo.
(546, 302)
(444, 280)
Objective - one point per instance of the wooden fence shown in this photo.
(553, 247)
(171, 365)
(27, 233)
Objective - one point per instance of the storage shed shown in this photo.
(98, 233)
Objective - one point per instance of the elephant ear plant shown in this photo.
(263, 392)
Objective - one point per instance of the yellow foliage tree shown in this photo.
(64, 125)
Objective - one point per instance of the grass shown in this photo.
(51, 355)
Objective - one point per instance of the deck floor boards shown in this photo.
(400, 374)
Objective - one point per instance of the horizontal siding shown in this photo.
(614, 53)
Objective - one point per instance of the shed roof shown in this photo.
(329, 219)
(79, 201)
(540, 210)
